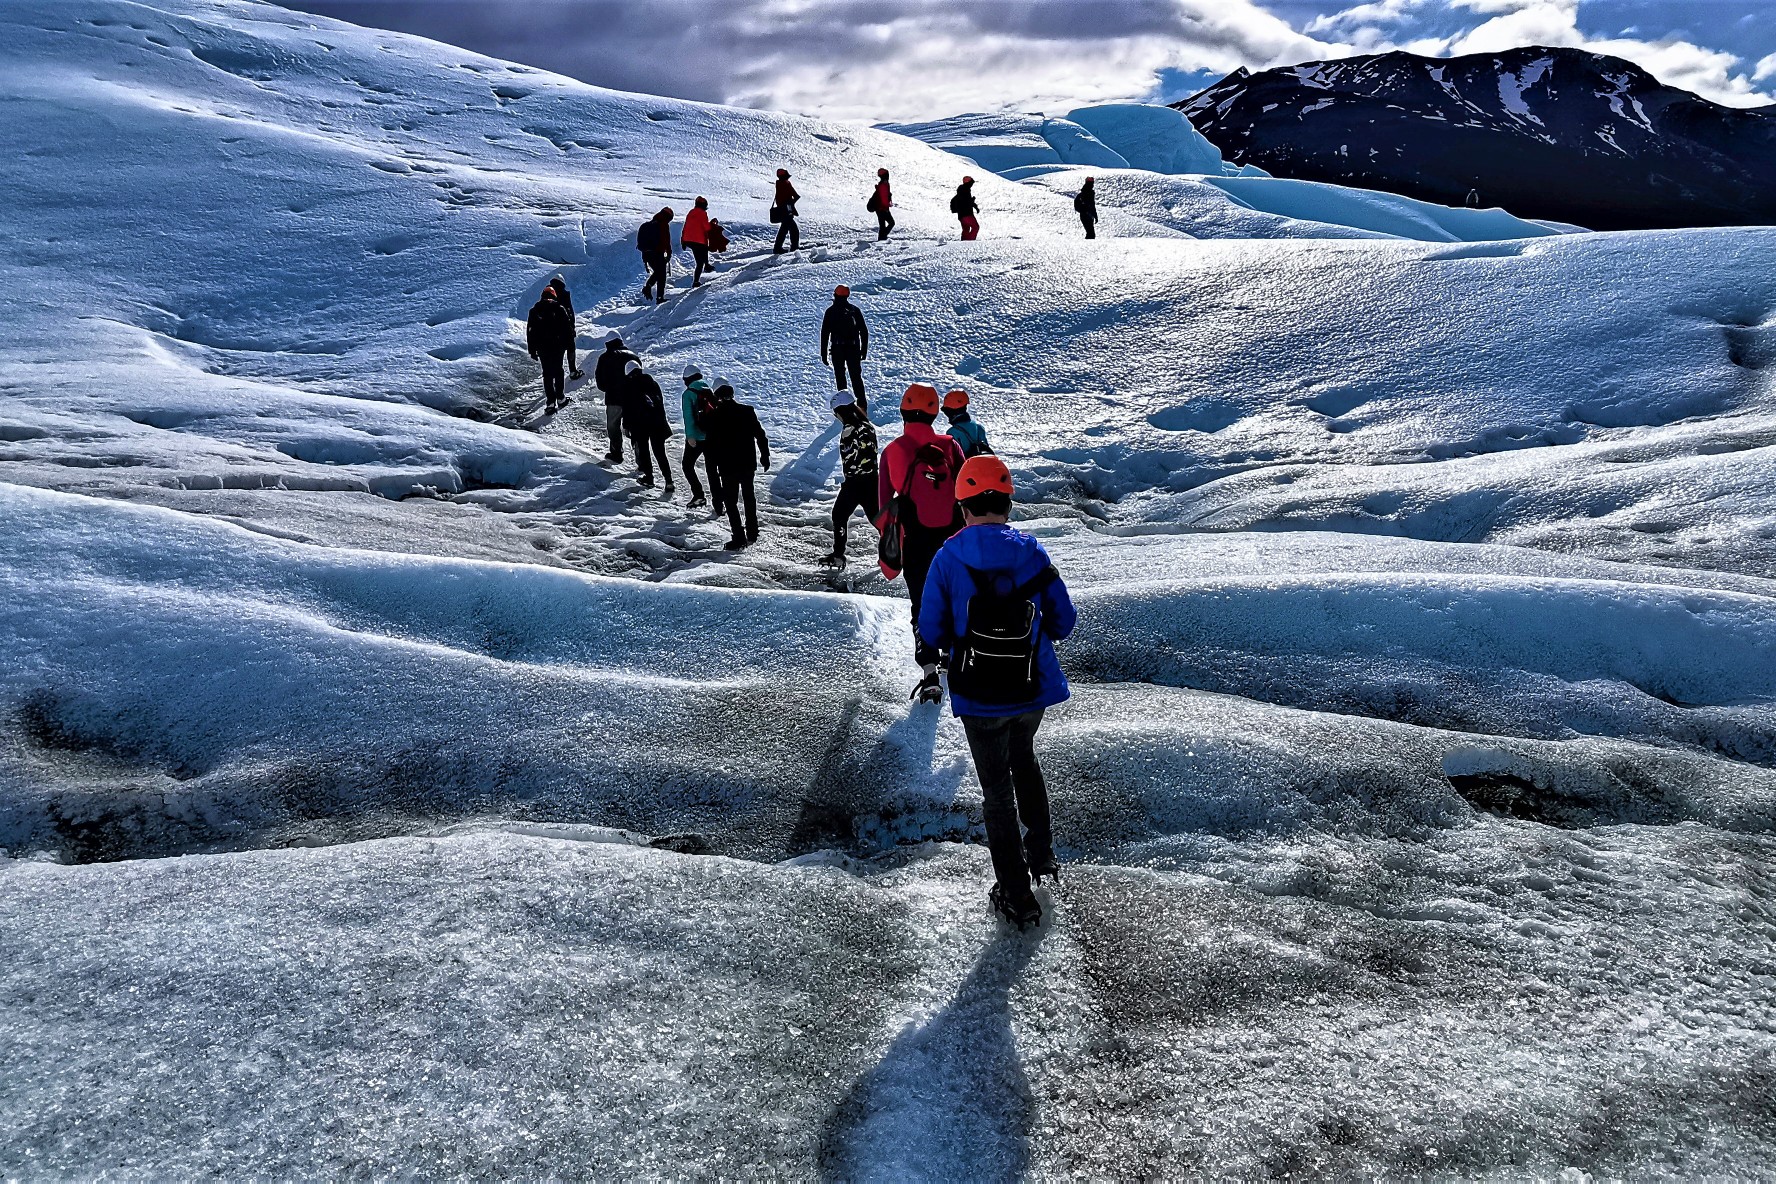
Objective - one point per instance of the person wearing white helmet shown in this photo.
(857, 463)
(698, 402)
(739, 447)
(644, 412)
(607, 376)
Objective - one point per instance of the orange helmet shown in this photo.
(955, 400)
(983, 474)
(841, 290)
(920, 397)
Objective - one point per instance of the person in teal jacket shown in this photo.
(963, 430)
(697, 399)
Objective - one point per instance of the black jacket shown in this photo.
(736, 440)
(550, 329)
(1087, 203)
(644, 407)
(842, 327)
(963, 204)
(608, 375)
(654, 237)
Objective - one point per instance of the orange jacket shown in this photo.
(696, 228)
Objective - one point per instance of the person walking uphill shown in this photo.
(699, 401)
(963, 430)
(997, 604)
(916, 488)
(845, 336)
(783, 212)
(654, 241)
(965, 208)
(644, 413)
(881, 204)
(549, 334)
(857, 460)
(694, 237)
(738, 444)
(559, 283)
(1086, 206)
(608, 376)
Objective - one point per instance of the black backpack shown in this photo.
(956, 204)
(995, 662)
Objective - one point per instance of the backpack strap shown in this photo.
(1028, 590)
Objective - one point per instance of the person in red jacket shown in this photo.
(783, 207)
(695, 239)
(920, 467)
(883, 204)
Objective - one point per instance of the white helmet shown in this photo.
(720, 385)
(613, 335)
(632, 367)
(840, 399)
(692, 370)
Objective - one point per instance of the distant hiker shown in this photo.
(644, 413)
(548, 333)
(573, 354)
(695, 239)
(916, 488)
(968, 435)
(654, 241)
(997, 604)
(845, 337)
(965, 208)
(857, 461)
(1473, 199)
(608, 376)
(699, 401)
(738, 444)
(783, 212)
(881, 204)
(1086, 205)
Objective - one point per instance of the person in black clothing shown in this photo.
(857, 460)
(965, 208)
(567, 301)
(608, 376)
(736, 440)
(1086, 205)
(783, 212)
(644, 412)
(548, 334)
(845, 336)
(654, 241)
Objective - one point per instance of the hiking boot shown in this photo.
(734, 544)
(647, 482)
(1046, 865)
(835, 560)
(1022, 911)
(696, 501)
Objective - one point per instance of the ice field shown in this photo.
(390, 786)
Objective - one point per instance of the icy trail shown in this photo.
(1417, 792)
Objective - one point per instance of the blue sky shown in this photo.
(874, 60)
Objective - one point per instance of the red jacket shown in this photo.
(884, 198)
(696, 228)
(786, 194)
(935, 504)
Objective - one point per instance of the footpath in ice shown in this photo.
(390, 786)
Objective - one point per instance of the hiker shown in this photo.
(694, 237)
(996, 603)
(965, 207)
(968, 435)
(845, 336)
(916, 489)
(654, 241)
(608, 376)
(644, 414)
(783, 212)
(881, 204)
(1086, 206)
(699, 400)
(559, 283)
(548, 334)
(857, 462)
(736, 441)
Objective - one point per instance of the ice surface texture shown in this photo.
(385, 790)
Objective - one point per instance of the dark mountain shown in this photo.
(1546, 133)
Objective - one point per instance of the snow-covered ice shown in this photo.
(389, 789)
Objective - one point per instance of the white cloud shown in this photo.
(1380, 12)
(1765, 69)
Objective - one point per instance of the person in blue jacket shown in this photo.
(1010, 567)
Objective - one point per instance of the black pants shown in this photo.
(735, 487)
(1012, 791)
(921, 545)
(857, 491)
(645, 462)
(884, 223)
(699, 252)
(1091, 225)
(693, 450)
(843, 362)
(554, 381)
(658, 263)
(613, 424)
(788, 227)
